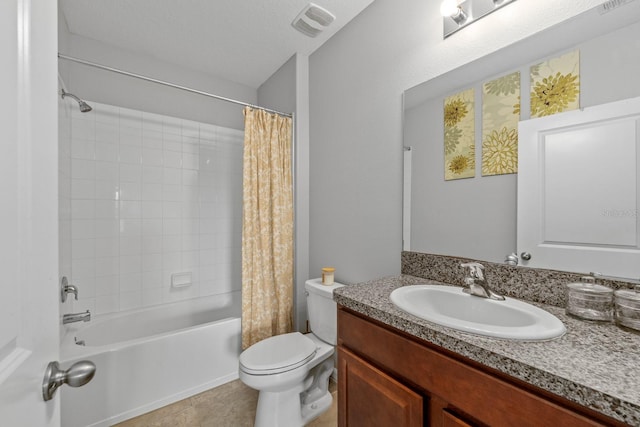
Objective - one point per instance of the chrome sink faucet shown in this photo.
(476, 282)
(76, 317)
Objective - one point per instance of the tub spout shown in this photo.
(76, 317)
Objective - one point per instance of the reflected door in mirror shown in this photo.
(578, 189)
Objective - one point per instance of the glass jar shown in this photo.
(590, 301)
(627, 307)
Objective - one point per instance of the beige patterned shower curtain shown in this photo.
(267, 227)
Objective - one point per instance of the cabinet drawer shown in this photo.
(488, 398)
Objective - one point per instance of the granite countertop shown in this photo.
(594, 364)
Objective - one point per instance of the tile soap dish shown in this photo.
(590, 301)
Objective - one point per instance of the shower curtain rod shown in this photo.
(149, 79)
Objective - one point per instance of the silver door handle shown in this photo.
(77, 375)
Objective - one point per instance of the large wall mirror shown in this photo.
(477, 217)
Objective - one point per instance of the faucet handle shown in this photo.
(66, 288)
(476, 270)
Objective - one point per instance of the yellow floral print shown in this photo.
(459, 164)
(454, 111)
(500, 152)
(500, 115)
(516, 107)
(452, 136)
(553, 94)
(459, 140)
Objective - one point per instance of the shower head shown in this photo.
(84, 107)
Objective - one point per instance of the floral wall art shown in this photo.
(500, 116)
(459, 136)
(554, 88)
(555, 85)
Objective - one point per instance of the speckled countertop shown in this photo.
(595, 365)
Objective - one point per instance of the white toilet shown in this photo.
(291, 371)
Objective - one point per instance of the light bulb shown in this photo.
(449, 7)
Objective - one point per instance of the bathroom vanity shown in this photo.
(395, 369)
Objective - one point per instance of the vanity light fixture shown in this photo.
(453, 10)
(457, 14)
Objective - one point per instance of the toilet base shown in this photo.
(298, 405)
(313, 410)
(275, 409)
(289, 415)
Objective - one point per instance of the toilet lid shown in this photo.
(277, 354)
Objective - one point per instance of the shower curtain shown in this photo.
(267, 227)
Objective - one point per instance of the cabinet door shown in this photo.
(368, 397)
(452, 420)
(441, 414)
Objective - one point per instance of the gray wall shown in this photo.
(476, 217)
(114, 89)
(287, 91)
(278, 92)
(356, 83)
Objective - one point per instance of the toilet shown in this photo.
(291, 371)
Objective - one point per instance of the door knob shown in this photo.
(77, 375)
(525, 256)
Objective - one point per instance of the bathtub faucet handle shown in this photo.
(66, 288)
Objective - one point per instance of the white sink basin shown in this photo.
(449, 306)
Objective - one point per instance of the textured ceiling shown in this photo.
(244, 41)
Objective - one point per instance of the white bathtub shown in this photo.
(149, 358)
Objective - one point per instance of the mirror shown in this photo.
(476, 217)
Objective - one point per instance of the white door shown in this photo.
(29, 323)
(579, 189)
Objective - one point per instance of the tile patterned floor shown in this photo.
(229, 405)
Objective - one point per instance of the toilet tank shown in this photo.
(322, 310)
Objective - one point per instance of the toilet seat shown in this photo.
(277, 354)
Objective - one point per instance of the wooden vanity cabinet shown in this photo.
(387, 378)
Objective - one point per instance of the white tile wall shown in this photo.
(150, 196)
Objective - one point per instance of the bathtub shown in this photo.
(149, 358)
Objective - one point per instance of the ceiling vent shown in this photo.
(313, 20)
